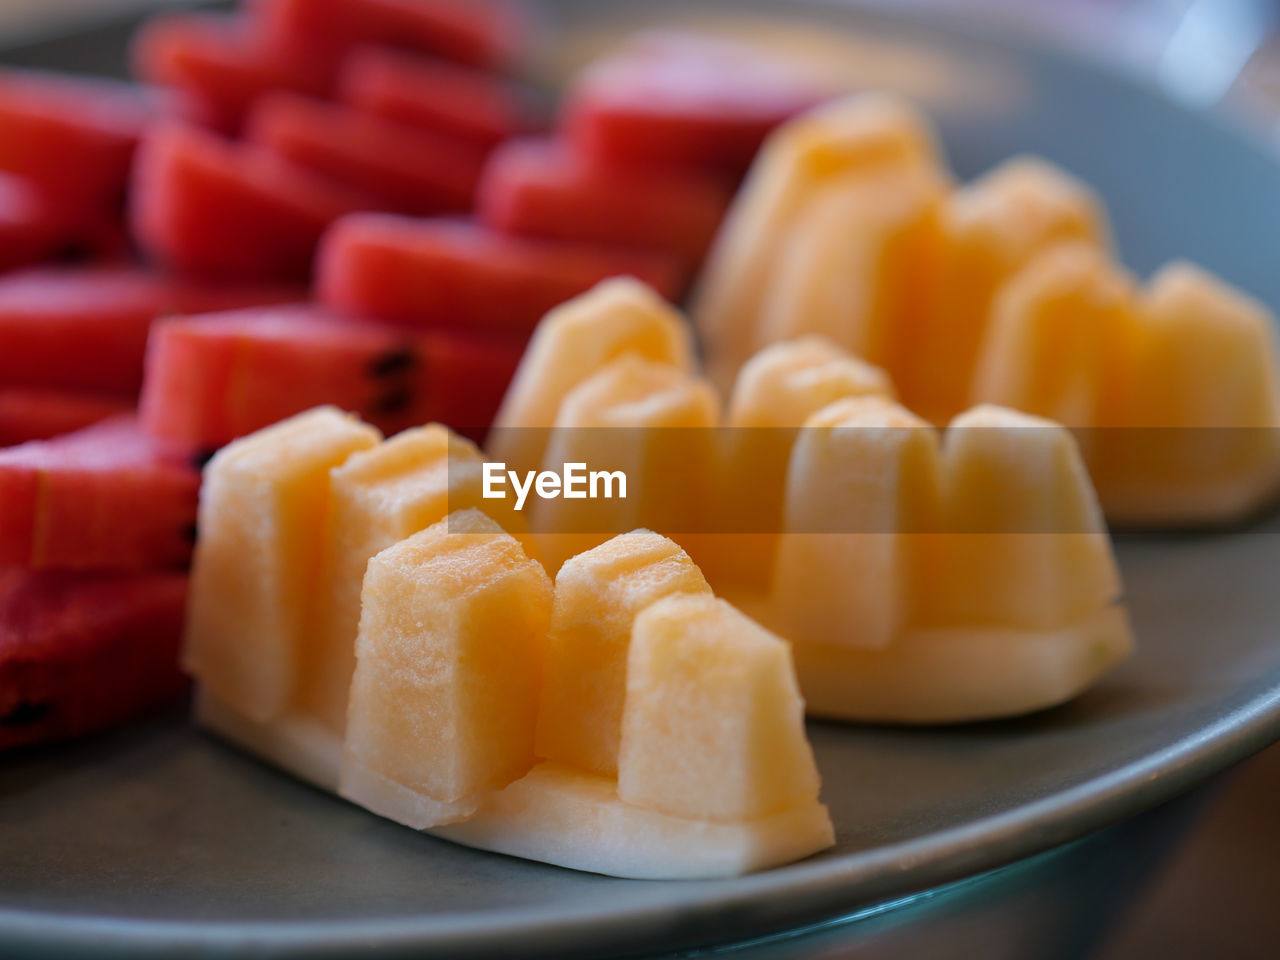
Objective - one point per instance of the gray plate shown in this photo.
(156, 841)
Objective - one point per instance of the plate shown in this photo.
(158, 841)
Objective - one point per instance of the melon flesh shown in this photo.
(713, 727)
(256, 563)
(615, 318)
(654, 423)
(445, 694)
(560, 815)
(838, 141)
(993, 227)
(598, 595)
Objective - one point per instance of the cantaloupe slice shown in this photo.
(837, 141)
(1195, 437)
(598, 595)
(378, 497)
(257, 561)
(653, 422)
(449, 657)
(616, 318)
(993, 227)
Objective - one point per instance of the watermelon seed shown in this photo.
(394, 362)
(394, 401)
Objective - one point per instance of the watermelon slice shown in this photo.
(435, 95)
(540, 188)
(99, 498)
(213, 378)
(41, 414)
(84, 651)
(453, 275)
(221, 64)
(213, 208)
(480, 33)
(685, 101)
(32, 227)
(86, 329)
(406, 169)
(74, 138)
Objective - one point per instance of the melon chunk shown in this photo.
(615, 318)
(574, 819)
(257, 558)
(993, 226)
(445, 694)
(598, 595)
(652, 422)
(835, 142)
(378, 497)
(713, 727)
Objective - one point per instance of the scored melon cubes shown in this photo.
(617, 317)
(254, 576)
(598, 595)
(449, 657)
(943, 584)
(837, 142)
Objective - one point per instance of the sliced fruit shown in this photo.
(543, 188)
(994, 226)
(219, 376)
(616, 318)
(598, 596)
(400, 167)
(713, 727)
(212, 208)
(27, 414)
(99, 498)
(258, 558)
(445, 692)
(85, 651)
(840, 141)
(435, 96)
(448, 274)
(78, 328)
(32, 226)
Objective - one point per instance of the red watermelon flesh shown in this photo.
(221, 64)
(541, 188)
(435, 95)
(74, 138)
(40, 414)
(84, 651)
(405, 168)
(684, 101)
(452, 275)
(480, 33)
(32, 227)
(209, 207)
(86, 328)
(216, 377)
(100, 498)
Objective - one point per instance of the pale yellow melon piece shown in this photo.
(262, 506)
(859, 265)
(1026, 543)
(993, 227)
(776, 391)
(862, 497)
(653, 422)
(598, 596)
(950, 675)
(860, 134)
(1200, 437)
(713, 727)
(448, 666)
(1050, 348)
(617, 317)
(560, 815)
(378, 497)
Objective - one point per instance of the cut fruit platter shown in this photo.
(909, 452)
